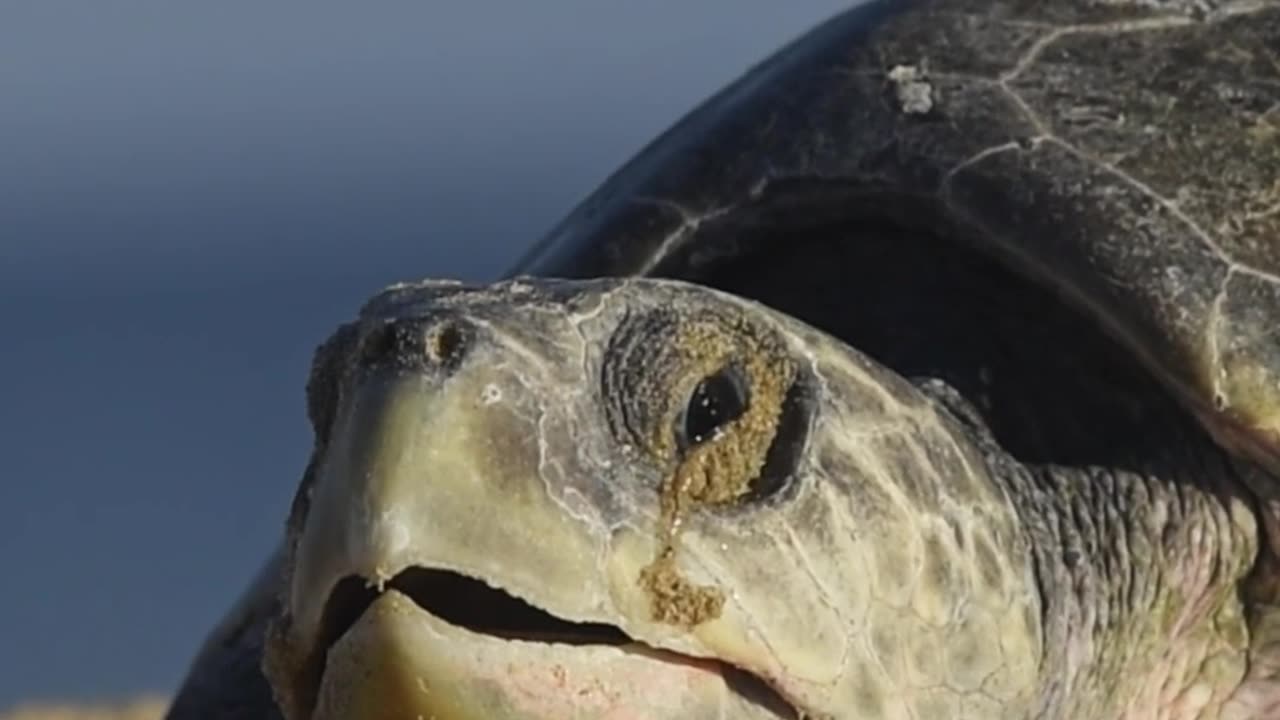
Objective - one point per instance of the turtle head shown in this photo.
(629, 498)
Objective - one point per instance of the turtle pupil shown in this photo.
(717, 400)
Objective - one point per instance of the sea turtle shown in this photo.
(929, 370)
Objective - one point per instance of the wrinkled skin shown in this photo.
(882, 559)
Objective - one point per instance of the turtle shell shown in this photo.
(1125, 154)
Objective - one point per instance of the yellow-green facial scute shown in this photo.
(633, 499)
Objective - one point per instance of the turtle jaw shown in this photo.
(416, 479)
(400, 661)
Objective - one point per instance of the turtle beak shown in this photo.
(433, 573)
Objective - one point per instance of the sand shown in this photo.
(140, 709)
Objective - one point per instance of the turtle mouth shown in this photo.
(477, 609)
(462, 601)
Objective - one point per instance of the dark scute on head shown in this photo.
(328, 366)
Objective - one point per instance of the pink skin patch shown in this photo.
(621, 691)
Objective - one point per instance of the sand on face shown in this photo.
(150, 708)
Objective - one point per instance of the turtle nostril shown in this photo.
(424, 343)
(445, 343)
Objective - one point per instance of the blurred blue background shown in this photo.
(193, 195)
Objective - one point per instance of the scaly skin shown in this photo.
(1139, 572)
(902, 566)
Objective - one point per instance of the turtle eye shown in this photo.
(716, 401)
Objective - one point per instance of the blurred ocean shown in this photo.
(193, 195)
